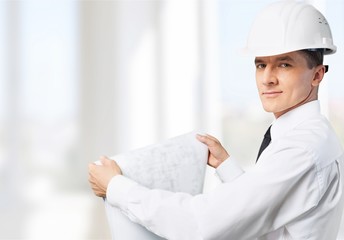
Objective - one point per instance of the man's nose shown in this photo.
(269, 76)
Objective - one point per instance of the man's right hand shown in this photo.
(217, 153)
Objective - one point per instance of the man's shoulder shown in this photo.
(317, 137)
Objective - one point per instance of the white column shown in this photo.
(209, 102)
(98, 85)
(180, 66)
(119, 74)
(12, 174)
(209, 106)
(138, 73)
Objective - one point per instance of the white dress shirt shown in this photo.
(293, 192)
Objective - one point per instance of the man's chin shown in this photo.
(268, 109)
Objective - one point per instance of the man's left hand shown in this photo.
(100, 175)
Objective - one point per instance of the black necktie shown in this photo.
(265, 143)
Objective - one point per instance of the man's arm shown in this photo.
(257, 202)
(251, 205)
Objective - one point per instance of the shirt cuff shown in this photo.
(118, 189)
(229, 170)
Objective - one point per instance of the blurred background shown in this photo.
(80, 79)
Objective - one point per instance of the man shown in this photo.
(295, 189)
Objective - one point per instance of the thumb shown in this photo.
(104, 160)
(202, 138)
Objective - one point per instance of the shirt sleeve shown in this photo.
(279, 189)
(229, 170)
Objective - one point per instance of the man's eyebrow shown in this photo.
(278, 59)
(258, 61)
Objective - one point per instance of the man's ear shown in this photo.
(318, 75)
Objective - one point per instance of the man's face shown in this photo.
(285, 82)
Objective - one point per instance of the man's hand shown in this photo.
(100, 175)
(217, 153)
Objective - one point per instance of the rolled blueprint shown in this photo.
(177, 164)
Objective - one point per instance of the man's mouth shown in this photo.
(272, 93)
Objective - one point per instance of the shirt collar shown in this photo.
(294, 117)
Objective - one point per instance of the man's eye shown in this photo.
(285, 65)
(260, 66)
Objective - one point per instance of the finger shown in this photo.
(207, 140)
(92, 170)
(92, 175)
(116, 166)
(98, 192)
(201, 138)
(97, 188)
(213, 138)
(105, 160)
(90, 166)
(114, 163)
(94, 184)
(92, 180)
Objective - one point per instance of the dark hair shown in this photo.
(314, 57)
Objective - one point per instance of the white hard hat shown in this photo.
(288, 26)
